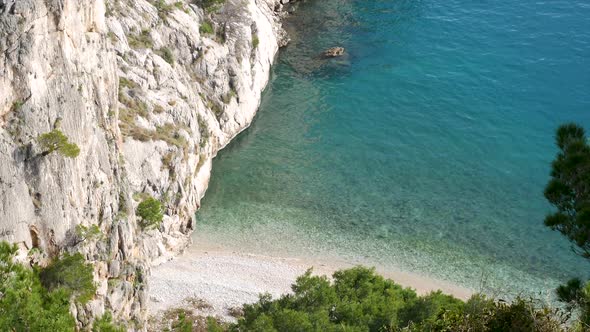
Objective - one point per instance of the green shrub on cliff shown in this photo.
(70, 272)
(255, 41)
(105, 324)
(56, 141)
(150, 212)
(166, 54)
(25, 305)
(91, 232)
(211, 5)
(142, 40)
(37, 299)
(206, 28)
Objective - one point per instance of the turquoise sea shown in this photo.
(426, 148)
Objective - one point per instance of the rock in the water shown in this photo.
(333, 52)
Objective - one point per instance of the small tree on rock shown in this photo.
(150, 211)
(55, 140)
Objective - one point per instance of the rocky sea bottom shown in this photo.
(424, 148)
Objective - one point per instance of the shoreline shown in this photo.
(212, 280)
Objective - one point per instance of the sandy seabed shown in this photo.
(214, 280)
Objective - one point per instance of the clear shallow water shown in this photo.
(426, 148)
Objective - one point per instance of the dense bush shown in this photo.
(25, 305)
(360, 300)
(183, 320)
(150, 211)
(36, 299)
(70, 272)
(105, 324)
(206, 28)
(56, 141)
(481, 314)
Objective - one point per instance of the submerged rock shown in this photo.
(334, 52)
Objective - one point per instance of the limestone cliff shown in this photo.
(149, 91)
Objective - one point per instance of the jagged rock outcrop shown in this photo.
(149, 91)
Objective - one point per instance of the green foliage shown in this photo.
(166, 54)
(212, 5)
(140, 196)
(55, 140)
(220, 35)
(126, 83)
(204, 131)
(357, 300)
(576, 296)
(158, 109)
(112, 37)
(183, 323)
(228, 97)
(184, 320)
(206, 28)
(133, 107)
(569, 187)
(141, 41)
(572, 293)
(105, 324)
(163, 9)
(25, 305)
(360, 300)
(255, 41)
(17, 105)
(180, 5)
(169, 133)
(214, 326)
(214, 107)
(91, 232)
(569, 191)
(36, 299)
(150, 211)
(481, 314)
(70, 272)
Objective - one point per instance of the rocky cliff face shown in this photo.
(149, 91)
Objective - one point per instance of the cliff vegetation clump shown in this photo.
(39, 299)
(151, 213)
(56, 141)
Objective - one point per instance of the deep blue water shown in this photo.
(426, 148)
